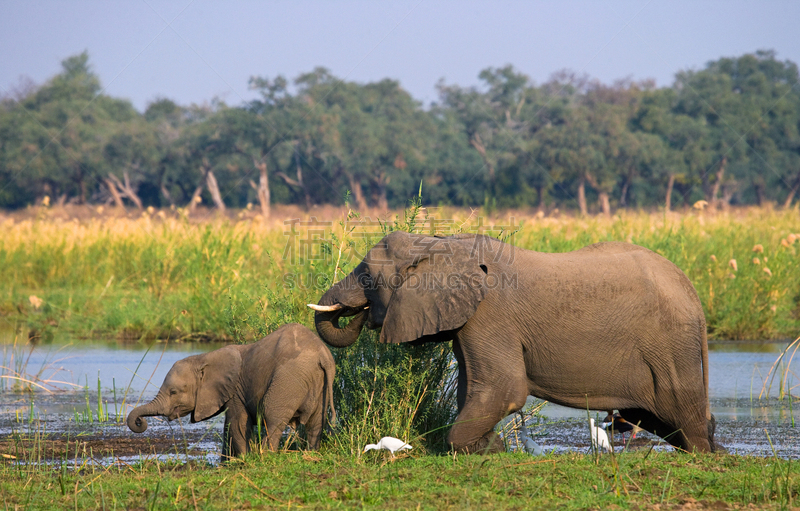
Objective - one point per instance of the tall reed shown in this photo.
(396, 390)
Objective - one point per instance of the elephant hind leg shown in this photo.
(313, 424)
(683, 435)
(280, 406)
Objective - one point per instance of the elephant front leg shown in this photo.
(489, 388)
(236, 432)
(473, 431)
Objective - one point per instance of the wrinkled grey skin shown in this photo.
(285, 378)
(612, 326)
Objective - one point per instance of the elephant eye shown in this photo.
(172, 392)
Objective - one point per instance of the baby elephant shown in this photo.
(285, 378)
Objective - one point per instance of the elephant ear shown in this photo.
(443, 282)
(218, 374)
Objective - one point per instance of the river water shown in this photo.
(754, 414)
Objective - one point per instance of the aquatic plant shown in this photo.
(782, 368)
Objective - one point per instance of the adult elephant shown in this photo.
(609, 326)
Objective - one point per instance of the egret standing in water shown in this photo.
(599, 437)
(389, 443)
(527, 442)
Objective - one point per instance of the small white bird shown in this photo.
(599, 437)
(529, 445)
(389, 443)
(527, 442)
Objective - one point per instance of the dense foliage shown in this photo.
(727, 134)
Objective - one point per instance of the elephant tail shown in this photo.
(327, 392)
(704, 353)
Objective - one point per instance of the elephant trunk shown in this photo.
(327, 324)
(136, 419)
(348, 294)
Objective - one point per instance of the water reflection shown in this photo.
(67, 373)
(737, 370)
(67, 364)
(740, 370)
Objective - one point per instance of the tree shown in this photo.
(202, 148)
(491, 119)
(273, 123)
(742, 100)
(167, 120)
(64, 127)
(130, 153)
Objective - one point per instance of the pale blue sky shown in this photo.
(192, 51)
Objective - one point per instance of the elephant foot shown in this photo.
(712, 427)
(488, 444)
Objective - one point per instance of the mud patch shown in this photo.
(54, 447)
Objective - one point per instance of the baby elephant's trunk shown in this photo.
(136, 419)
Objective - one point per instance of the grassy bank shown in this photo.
(162, 275)
(374, 481)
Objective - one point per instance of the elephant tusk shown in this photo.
(325, 308)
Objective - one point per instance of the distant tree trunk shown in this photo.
(195, 200)
(379, 186)
(357, 191)
(668, 199)
(81, 186)
(383, 203)
(712, 199)
(605, 205)
(582, 197)
(297, 183)
(166, 194)
(727, 194)
(213, 189)
(112, 188)
(759, 189)
(126, 188)
(130, 192)
(539, 197)
(263, 187)
(788, 202)
(602, 195)
(623, 196)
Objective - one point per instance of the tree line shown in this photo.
(728, 134)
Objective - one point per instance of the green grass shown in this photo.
(375, 481)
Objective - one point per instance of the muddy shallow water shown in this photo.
(54, 414)
(740, 433)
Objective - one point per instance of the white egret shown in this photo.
(527, 442)
(599, 437)
(389, 443)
